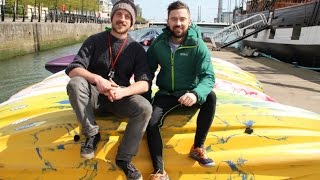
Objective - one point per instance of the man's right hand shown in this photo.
(103, 85)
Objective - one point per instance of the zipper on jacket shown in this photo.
(172, 63)
(172, 70)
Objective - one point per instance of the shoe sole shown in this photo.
(135, 179)
(167, 178)
(203, 165)
(87, 156)
(91, 155)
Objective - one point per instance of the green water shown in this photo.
(23, 71)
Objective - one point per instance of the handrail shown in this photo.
(236, 30)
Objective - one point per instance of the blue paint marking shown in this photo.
(249, 123)
(244, 176)
(225, 140)
(222, 141)
(64, 102)
(48, 166)
(61, 147)
(232, 166)
(241, 161)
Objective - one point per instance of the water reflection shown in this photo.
(23, 71)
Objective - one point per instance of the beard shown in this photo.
(178, 31)
(120, 28)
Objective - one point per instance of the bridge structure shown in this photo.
(202, 24)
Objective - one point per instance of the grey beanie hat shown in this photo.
(126, 5)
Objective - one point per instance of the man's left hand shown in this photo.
(117, 93)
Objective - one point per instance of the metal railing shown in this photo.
(21, 14)
(236, 31)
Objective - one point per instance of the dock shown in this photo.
(285, 83)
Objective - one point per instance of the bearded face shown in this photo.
(121, 21)
(178, 22)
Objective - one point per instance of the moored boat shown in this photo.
(59, 64)
(148, 37)
(293, 36)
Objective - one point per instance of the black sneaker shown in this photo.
(131, 172)
(87, 149)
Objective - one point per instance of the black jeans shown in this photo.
(161, 106)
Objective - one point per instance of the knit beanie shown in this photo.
(126, 5)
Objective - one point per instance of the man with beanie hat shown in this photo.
(126, 5)
(100, 83)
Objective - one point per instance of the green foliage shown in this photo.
(86, 5)
(141, 20)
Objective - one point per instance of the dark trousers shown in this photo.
(161, 106)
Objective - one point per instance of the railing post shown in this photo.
(23, 14)
(55, 16)
(31, 20)
(14, 12)
(51, 16)
(2, 11)
(77, 16)
(45, 15)
(39, 14)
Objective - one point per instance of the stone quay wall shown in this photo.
(23, 38)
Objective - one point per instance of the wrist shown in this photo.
(195, 94)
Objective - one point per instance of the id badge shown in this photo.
(111, 74)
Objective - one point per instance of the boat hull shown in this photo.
(293, 36)
(303, 55)
(59, 64)
(38, 126)
(37, 141)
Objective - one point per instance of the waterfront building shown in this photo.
(105, 9)
(227, 17)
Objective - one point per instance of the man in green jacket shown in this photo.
(186, 78)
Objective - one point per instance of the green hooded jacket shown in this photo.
(189, 68)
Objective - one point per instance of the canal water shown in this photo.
(23, 71)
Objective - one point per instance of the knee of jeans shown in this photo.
(146, 109)
(141, 106)
(75, 83)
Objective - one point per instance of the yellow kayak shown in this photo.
(249, 139)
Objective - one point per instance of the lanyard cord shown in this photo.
(113, 62)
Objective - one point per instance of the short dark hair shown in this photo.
(177, 5)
